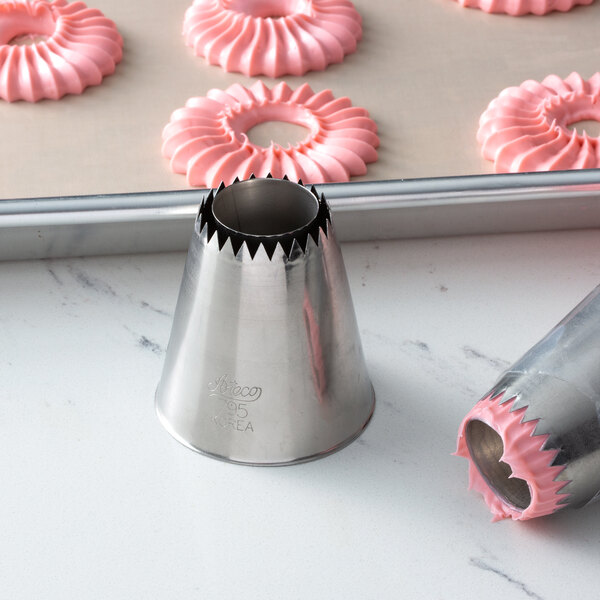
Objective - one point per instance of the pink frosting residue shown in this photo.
(49, 48)
(207, 138)
(526, 127)
(517, 8)
(523, 452)
(272, 37)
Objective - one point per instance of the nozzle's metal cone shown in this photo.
(264, 365)
(533, 441)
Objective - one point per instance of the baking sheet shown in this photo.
(425, 70)
(371, 210)
(85, 174)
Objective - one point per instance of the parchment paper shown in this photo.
(425, 70)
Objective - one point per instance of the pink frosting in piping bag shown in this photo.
(272, 37)
(518, 8)
(526, 127)
(72, 47)
(523, 452)
(207, 138)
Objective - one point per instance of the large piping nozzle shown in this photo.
(264, 365)
(533, 441)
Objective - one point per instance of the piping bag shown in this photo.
(533, 441)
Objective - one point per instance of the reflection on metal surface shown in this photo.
(558, 382)
(486, 448)
(162, 221)
(552, 440)
(264, 364)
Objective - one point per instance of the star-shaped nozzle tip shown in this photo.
(265, 212)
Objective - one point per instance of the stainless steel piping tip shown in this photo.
(264, 364)
(533, 441)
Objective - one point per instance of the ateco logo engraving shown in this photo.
(234, 413)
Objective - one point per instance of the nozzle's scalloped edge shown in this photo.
(289, 242)
(525, 454)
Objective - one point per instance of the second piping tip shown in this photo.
(508, 464)
(533, 442)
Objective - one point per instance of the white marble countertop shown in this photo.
(99, 502)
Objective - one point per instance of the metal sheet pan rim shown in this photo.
(371, 210)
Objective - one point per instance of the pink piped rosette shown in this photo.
(517, 8)
(272, 37)
(526, 128)
(523, 452)
(207, 140)
(71, 47)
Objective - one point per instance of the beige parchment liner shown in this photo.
(425, 70)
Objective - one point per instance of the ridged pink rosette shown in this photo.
(77, 47)
(526, 127)
(517, 8)
(272, 37)
(207, 138)
(523, 452)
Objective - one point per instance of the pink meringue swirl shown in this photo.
(272, 37)
(526, 127)
(71, 47)
(517, 8)
(207, 138)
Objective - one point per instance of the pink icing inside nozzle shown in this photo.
(507, 461)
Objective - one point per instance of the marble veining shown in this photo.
(441, 369)
(54, 276)
(90, 282)
(98, 501)
(495, 363)
(147, 344)
(481, 564)
(158, 311)
(419, 344)
(391, 406)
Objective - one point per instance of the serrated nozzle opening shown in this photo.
(264, 212)
(486, 449)
(265, 207)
